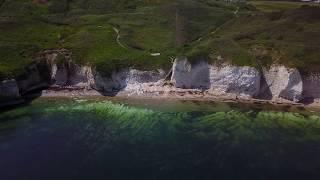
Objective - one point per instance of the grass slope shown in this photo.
(240, 33)
(289, 37)
(272, 6)
(87, 28)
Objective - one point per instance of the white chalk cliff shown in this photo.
(311, 86)
(274, 83)
(190, 76)
(131, 80)
(283, 82)
(243, 81)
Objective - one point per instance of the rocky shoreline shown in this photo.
(172, 95)
(54, 74)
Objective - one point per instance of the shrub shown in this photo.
(58, 6)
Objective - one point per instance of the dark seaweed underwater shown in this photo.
(102, 139)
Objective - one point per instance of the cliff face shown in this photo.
(243, 81)
(283, 82)
(72, 75)
(190, 76)
(130, 80)
(226, 78)
(47, 71)
(9, 89)
(311, 87)
(9, 93)
(64, 72)
(275, 83)
(35, 77)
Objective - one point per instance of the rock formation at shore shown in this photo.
(9, 89)
(55, 69)
(126, 80)
(283, 82)
(225, 78)
(9, 93)
(311, 86)
(190, 76)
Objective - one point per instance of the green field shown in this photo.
(272, 6)
(241, 33)
(290, 37)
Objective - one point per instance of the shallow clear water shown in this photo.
(126, 139)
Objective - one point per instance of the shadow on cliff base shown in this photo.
(265, 92)
(112, 93)
(25, 100)
(307, 100)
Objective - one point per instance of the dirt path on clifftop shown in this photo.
(235, 12)
(118, 38)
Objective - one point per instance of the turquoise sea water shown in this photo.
(140, 139)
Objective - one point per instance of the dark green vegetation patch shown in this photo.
(148, 143)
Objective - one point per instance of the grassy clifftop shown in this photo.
(111, 34)
(290, 36)
(107, 34)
